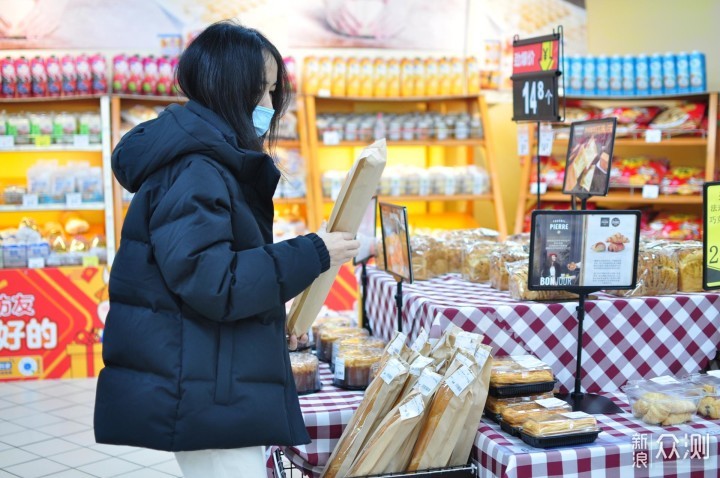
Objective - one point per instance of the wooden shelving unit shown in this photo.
(682, 150)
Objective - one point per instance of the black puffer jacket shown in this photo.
(194, 344)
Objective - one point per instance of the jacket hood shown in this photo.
(176, 132)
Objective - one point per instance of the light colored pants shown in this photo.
(234, 463)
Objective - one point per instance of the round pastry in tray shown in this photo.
(305, 372)
(355, 343)
(352, 368)
(329, 335)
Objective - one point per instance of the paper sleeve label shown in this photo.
(460, 380)
(412, 409)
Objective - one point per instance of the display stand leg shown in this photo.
(586, 402)
(398, 304)
(364, 321)
(537, 158)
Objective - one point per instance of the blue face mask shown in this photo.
(261, 119)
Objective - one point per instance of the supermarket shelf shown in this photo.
(641, 142)
(398, 99)
(155, 98)
(429, 142)
(43, 99)
(625, 197)
(433, 197)
(88, 206)
(679, 96)
(29, 148)
(290, 201)
(288, 143)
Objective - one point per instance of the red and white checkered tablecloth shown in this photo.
(625, 338)
(691, 450)
(327, 413)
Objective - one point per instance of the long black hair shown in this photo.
(223, 69)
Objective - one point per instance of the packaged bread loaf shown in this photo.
(386, 451)
(377, 402)
(498, 259)
(476, 261)
(709, 405)
(689, 256)
(657, 273)
(519, 369)
(518, 285)
(429, 258)
(663, 401)
(496, 406)
(453, 246)
(516, 415)
(566, 423)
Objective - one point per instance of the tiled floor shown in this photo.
(46, 431)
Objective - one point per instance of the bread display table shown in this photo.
(327, 412)
(625, 338)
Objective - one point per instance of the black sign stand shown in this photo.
(399, 303)
(365, 322)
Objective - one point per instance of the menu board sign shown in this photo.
(589, 155)
(711, 236)
(396, 242)
(583, 250)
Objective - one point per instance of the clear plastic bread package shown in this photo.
(518, 285)
(689, 256)
(709, 405)
(519, 370)
(476, 261)
(516, 415)
(657, 273)
(663, 401)
(498, 259)
(305, 372)
(565, 423)
(379, 399)
(495, 406)
(329, 335)
(429, 258)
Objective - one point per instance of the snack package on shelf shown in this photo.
(631, 119)
(709, 405)
(518, 375)
(637, 171)
(511, 252)
(657, 273)
(518, 285)
(476, 261)
(677, 226)
(552, 172)
(305, 372)
(683, 180)
(663, 401)
(378, 401)
(687, 118)
(564, 429)
(581, 113)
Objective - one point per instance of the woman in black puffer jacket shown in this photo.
(195, 350)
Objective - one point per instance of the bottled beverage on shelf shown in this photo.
(669, 74)
(602, 69)
(642, 75)
(135, 75)
(150, 76)
(8, 78)
(656, 74)
(84, 75)
(589, 76)
(23, 87)
(38, 75)
(683, 72)
(165, 76)
(69, 75)
(379, 130)
(616, 75)
(54, 76)
(339, 77)
(628, 75)
(393, 81)
(697, 71)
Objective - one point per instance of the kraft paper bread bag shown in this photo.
(378, 401)
(352, 202)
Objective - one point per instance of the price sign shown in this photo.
(546, 139)
(523, 139)
(651, 191)
(43, 140)
(81, 140)
(711, 238)
(73, 199)
(36, 262)
(653, 136)
(30, 200)
(331, 138)
(536, 67)
(7, 141)
(90, 261)
(535, 97)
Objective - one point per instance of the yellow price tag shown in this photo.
(712, 236)
(42, 140)
(90, 261)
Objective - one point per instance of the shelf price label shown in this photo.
(711, 237)
(653, 136)
(7, 141)
(73, 199)
(36, 262)
(331, 138)
(535, 186)
(90, 261)
(651, 191)
(535, 97)
(546, 139)
(523, 139)
(81, 141)
(43, 140)
(30, 200)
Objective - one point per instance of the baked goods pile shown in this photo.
(508, 252)
(665, 401)
(709, 405)
(422, 409)
(560, 424)
(519, 370)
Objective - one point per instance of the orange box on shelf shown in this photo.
(325, 76)
(380, 78)
(353, 77)
(421, 77)
(432, 80)
(407, 77)
(311, 75)
(339, 77)
(393, 80)
(366, 77)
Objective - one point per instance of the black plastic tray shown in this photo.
(509, 391)
(310, 392)
(341, 384)
(493, 417)
(509, 429)
(562, 440)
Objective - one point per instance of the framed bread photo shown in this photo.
(589, 157)
(367, 233)
(396, 241)
(583, 251)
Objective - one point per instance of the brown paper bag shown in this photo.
(355, 195)
(379, 399)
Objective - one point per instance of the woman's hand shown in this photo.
(342, 246)
(294, 342)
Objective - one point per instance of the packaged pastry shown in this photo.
(357, 343)
(684, 117)
(637, 171)
(305, 372)
(663, 401)
(564, 429)
(454, 245)
(495, 406)
(709, 405)
(378, 400)
(516, 415)
(476, 261)
(631, 118)
(498, 259)
(352, 367)
(518, 285)
(689, 255)
(657, 273)
(330, 321)
(683, 181)
(429, 259)
(675, 226)
(518, 375)
(328, 336)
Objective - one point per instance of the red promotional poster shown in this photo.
(536, 57)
